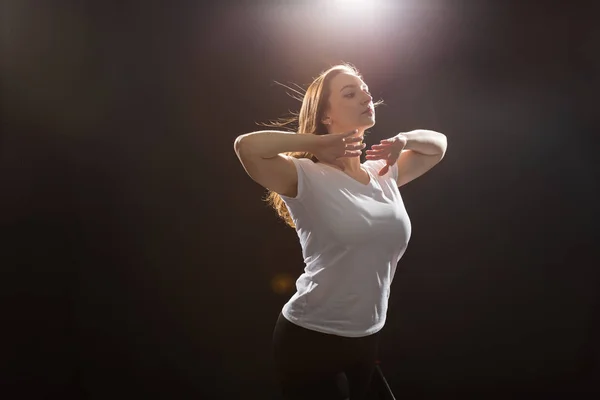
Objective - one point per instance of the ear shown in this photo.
(326, 120)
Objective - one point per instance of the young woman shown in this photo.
(352, 226)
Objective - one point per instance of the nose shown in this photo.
(367, 97)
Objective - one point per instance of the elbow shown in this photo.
(237, 144)
(439, 142)
(443, 145)
(240, 145)
(245, 148)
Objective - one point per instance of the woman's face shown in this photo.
(350, 105)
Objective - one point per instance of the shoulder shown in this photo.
(297, 160)
(307, 173)
(304, 164)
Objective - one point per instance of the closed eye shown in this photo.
(351, 95)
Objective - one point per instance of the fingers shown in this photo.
(390, 157)
(378, 151)
(377, 154)
(353, 139)
(352, 153)
(381, 146)
(358, 146)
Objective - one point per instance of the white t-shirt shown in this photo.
(352, 236)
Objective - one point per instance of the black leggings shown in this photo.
(315, 365)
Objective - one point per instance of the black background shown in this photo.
(138, 258)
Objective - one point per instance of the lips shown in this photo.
(368, 111)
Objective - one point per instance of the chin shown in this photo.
(368, 125)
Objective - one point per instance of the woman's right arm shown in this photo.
(260, 154)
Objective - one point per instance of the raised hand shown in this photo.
(330, 148)
(387, 149)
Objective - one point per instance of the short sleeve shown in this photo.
(302, 170)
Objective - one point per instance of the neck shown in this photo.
(352, 164)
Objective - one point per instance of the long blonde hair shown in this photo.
(309, 121)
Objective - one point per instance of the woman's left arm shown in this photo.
(415, 153)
